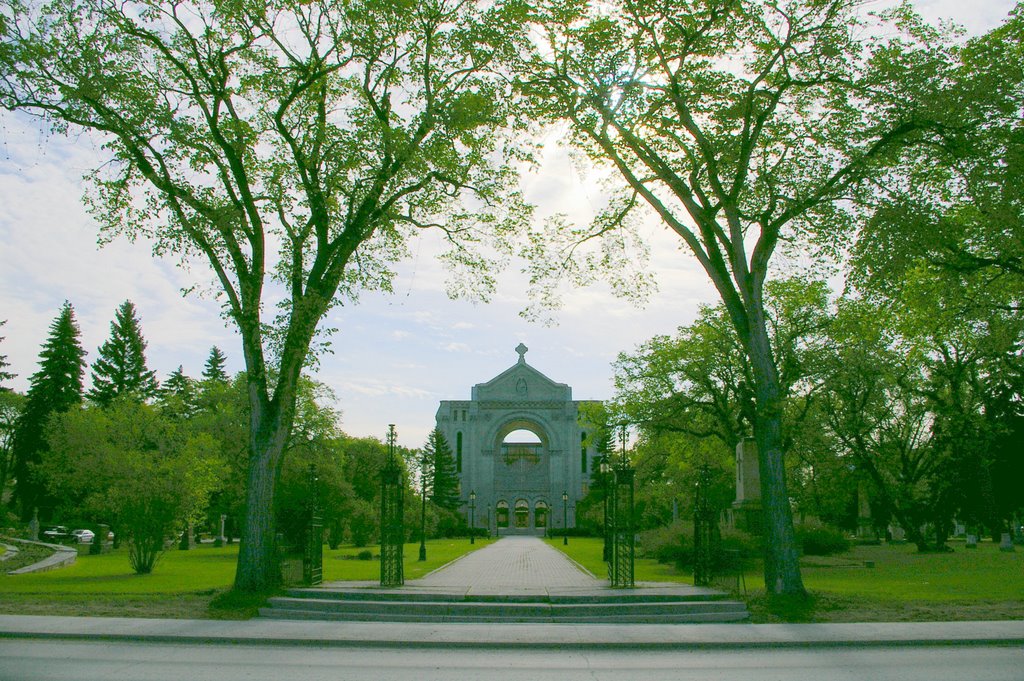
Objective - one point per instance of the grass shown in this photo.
(587, 551)
(903, 585)
(184, 584)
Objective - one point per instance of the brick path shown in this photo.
(511, 563)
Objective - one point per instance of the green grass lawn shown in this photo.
(183, 583)
(903, 585)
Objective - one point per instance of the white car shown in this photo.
(83, 536)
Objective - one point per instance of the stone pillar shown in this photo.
(747, 510)
(865, 526)
(33, 525)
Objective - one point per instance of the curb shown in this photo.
(511, 645)
(563, 637)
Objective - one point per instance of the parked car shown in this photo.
(56, 534)
(83, 536)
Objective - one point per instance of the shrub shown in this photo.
(821, 540)
(572, 532)
(365, 555)
(669, 544)
(674, 544)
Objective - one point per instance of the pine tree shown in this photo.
(120, 368)
(56, 387)
(214, 369)
(445, 480)
(4, 374)
(178, 394)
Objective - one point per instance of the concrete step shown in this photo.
(737, 615)
(407, 595)
(422, 607)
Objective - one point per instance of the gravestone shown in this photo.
(1006, 543)
(972, 541)
(865, 525)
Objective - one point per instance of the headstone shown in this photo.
(33, 525)
(865, 525)
(972, 541)
(747, 511)
(1006, 543)
(897, 534)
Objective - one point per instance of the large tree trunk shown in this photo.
(781, 561)
(257, 568)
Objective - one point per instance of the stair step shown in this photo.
(531, 609)
(406, 596)
(735, 615)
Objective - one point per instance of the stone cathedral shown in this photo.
(519, 482)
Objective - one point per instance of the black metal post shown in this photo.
(423, 509)
(620, 568)
(392, 528)
(565, 519)
(472, 517)
(703, 530)
(605, 483)
(313, 556)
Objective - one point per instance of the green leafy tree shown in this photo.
(11, 406)
(698, 382)
(213, 370)
(957, 206)
(295, 145)
(443, 485)
(878, 414)
(131, 466)
(120, 367)
(5, 375)
(742, 126)
(55, 388)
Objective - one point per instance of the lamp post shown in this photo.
(472, 517)
(565, 519)
(423, 508)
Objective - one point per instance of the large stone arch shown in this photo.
(519, 398)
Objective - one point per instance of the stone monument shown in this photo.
(747, 511)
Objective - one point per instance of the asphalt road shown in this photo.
(32, 660)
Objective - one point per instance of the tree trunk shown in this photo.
(781, 561)
(257, 569)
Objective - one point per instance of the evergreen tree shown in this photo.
(56, 387)
(4, 374)
(444, 491)
(214, 369)
(178, 394)
(120, 368)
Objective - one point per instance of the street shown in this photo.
(33, 660)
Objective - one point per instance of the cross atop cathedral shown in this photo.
(521, 349)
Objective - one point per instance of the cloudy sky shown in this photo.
(396, 355)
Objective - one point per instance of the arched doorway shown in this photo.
(522, 514)
(540, 515)
(501, 514)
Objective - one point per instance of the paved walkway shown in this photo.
(495, 636)
(511, 564)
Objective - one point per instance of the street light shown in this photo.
(472, 517)
(565, 521)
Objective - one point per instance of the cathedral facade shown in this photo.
(517, 484)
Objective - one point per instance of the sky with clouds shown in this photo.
(396, 355)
